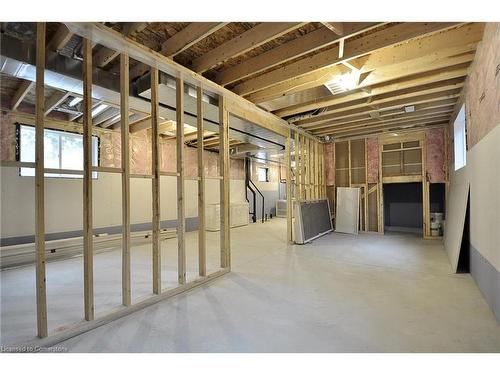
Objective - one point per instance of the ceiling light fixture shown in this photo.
(343, 82)
(410, 108)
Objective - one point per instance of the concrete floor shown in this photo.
(370, 293)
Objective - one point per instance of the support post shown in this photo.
(181, 225)
(288, 165)
(124, 111)
(224, 184)
(297, 166)
(41, 294)
(88, 279)
(155, 183)
(303, 168)
(202, 252)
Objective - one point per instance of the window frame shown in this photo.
(266, 174)
(462, 132)
(95, 175)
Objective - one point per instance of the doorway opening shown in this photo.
(403, 207)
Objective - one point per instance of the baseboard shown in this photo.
(487, 279)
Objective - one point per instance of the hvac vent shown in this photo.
(335, 87)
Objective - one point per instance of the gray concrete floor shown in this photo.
(370, 293)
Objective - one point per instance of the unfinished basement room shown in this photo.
(263, 187)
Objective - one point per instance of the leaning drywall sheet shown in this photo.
(456, 204)
(483, 161)
(347, 217)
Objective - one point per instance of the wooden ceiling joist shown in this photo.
(403, 96)
(352, 49)
(428, 53)
(105, 55)
(57, 98)
(21, 92)
(250, 39)
(60, 39)
(336, 27)
(395, 127)
(389, 116)
(399, 119)
(394, 104)
(391, 86)
(189, 36)
(295, 48)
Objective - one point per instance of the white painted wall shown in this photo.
(63, 201)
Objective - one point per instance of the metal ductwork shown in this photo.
(17, 59)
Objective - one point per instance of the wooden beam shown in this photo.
(384, 117)
(388, 109)
(125, 176)
(236, 105)
(189, 36)
(409, 95)
(155, 170)
(391, 86)
(225, 243)
(394, 127)
(250, 39)
(106, 55)
(336, 27)
(20, 94)
(398, 121)
(60, 39)
(293, 49)
(202, 243)
(288, 166)
(57, 98)
(181, 225)
(427, 53)
(88, 278)
(352, 49)
(296, 159)
(41, 293)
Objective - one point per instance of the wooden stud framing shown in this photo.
(87, 182)
(41, 294)
(296, 157)
(288, 165)
(202, 243)
(125, 176)
(225, 242)
(303, 159)
(155, 185)
(181, 222)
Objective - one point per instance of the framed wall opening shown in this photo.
(403, 207)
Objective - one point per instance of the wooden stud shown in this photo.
(181, 222)
(303, 168)
(296, 157)
(155, 184)
(41, 294)
(88, 277)
(125, 176)
(288, 166)
(225, 242)
(202, 243)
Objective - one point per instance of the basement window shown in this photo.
(262, 174)
(460, 139)
(63, 150)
